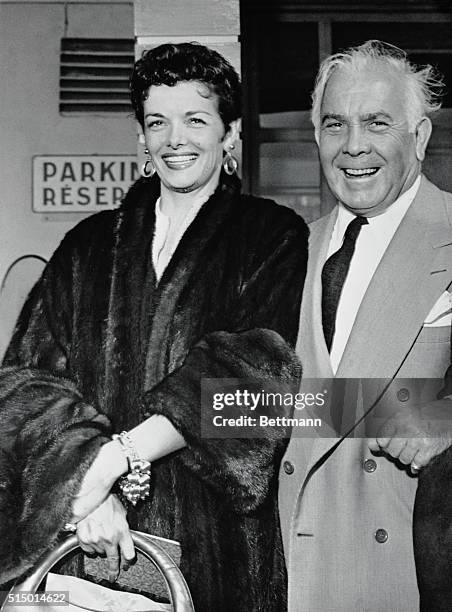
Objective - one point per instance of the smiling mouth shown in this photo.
(180, 161)
(359, 172)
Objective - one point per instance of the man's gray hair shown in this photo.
(424, 85)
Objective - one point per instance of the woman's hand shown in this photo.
(106, 468)
(106, 531)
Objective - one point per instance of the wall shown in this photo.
(30, 124)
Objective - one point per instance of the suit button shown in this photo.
(403, 395)
(288, 467)
(381, 535)
(370, 465)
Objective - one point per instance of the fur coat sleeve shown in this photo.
(48, 438)
(240, 469)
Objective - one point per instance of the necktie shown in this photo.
(334, 273)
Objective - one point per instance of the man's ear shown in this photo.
(317, 135)
(422, 135)
(232, 134)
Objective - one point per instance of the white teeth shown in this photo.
(360, 171)
(181, 159)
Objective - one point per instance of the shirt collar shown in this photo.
(391, 217)
(191, 213)
(158, 210)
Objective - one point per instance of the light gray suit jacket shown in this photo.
(331, 506)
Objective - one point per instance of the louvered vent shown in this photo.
(94, 75)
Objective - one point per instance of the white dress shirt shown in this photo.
(167, 236)
(370, 246)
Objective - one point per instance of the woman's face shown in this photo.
(185, 135)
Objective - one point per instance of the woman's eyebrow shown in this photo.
(151, 114)
(187, 114)
(197, 112)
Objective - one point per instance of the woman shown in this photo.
(189, 279)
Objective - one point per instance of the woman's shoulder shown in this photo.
(95, 226)
(268, 212)
(102, 225)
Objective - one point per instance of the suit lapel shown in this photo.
(411, 276)
(311, 346)
(414, 271)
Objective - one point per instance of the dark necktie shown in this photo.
(334, 273)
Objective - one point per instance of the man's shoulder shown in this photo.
(429, 189)
(437, 200)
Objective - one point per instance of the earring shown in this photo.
(148, 168)
(230, 164)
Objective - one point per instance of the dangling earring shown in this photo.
(148, 168)
(230, 164)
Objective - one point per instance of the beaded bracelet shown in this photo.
(136, 484)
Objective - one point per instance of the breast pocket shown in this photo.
(435, 334)
(430, 355)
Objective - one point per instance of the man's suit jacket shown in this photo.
(347, 521)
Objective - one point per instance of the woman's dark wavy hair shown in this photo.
(169, 64)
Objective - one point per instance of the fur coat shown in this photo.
(118, 347)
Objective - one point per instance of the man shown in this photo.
(346, 503)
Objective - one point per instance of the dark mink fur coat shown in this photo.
(100, 346)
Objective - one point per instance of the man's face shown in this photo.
(368, 155)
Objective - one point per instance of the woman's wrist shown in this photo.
(112, 461)
(135, 485)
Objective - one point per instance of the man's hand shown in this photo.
(416, 434)
(106, 531)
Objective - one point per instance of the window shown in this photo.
(425, 43)
(282, 46)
